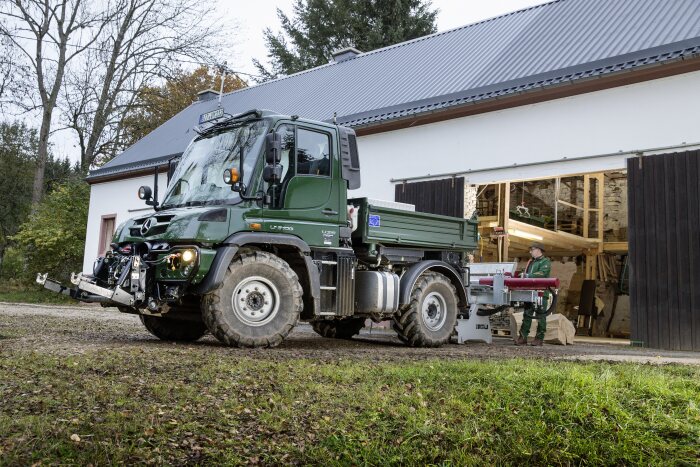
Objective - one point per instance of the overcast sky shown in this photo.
(250, 18)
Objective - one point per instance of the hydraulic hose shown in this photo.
(491, 311)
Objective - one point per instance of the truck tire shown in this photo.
(258, 303)
(430, 317)
(338, 328)
(169, 329)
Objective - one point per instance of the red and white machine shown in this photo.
(494, 287)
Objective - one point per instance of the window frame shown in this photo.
(296, 148)
(102, 248)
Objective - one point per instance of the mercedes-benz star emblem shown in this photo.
(147, 226)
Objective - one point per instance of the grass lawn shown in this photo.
(25, 293)
(157, 405)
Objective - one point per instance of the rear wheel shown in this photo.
(169, 329)
(430, 317)
(340, 328)
(258, 303)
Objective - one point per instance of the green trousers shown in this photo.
(541, 317)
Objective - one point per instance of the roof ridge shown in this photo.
(399, 44)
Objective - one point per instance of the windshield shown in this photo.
(198, 178)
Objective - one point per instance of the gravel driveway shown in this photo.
(86, 328)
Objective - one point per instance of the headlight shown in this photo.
(145, 193)
(231, 176)
(188, 255)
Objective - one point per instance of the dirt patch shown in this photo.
(82, 329)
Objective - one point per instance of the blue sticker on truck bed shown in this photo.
(374, 220)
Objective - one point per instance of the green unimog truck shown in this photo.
(256, 232)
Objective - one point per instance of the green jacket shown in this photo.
(540, 267)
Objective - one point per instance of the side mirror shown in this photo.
(272, 174)
(145, 193)
(273, 148)
(172, 165)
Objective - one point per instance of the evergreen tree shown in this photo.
(18, 158)
(18, 147)
(319, 27)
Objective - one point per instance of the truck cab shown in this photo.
(256, 232)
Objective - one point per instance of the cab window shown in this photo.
(313, 153)
(287, 153)
(304, 152)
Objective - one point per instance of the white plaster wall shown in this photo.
(663, 112)
(117, 197)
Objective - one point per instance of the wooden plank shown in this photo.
(694, 239)
(640, 258)
(663, 317)
(672, 204)
(636, 306)
(555, 238)
(616, 247)
(651, 252)
(504, 215)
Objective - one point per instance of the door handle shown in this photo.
(329, 212)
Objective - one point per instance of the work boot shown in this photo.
(521, 341)
(537, 342)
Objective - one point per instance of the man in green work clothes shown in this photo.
(538, 266)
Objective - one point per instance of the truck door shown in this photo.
(307, 201)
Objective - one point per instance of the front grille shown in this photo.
(159, 224)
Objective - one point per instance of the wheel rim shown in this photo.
(255, 301)
(434, 311)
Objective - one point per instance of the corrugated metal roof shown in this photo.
(556, 42)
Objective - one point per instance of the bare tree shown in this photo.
(143, 40)
(13, 74)
(50, 34)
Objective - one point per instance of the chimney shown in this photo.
(207, 95)
(345, 54)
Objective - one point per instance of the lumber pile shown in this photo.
(559, 328)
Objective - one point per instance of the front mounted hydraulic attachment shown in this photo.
(86, 290)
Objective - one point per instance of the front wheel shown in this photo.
(258, 303)
(430, 317)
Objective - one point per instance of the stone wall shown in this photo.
(615, 220)
(470, 193)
